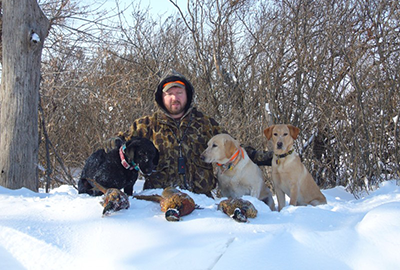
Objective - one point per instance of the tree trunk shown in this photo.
(24, 29)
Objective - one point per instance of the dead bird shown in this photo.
(113, 198)
(238, 209)
(173, 202)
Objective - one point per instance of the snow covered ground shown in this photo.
(64, 230)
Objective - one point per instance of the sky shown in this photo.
(159, 6)
(156, 7)
(66, 230)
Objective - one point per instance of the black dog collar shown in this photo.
(283, 155)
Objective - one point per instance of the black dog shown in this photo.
(120, 167)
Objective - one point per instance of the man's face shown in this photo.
(175, 100)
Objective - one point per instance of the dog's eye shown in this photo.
(285, 134)
(214, 145)
(275, 134)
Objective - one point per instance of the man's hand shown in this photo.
(261, 158)
(251, 152)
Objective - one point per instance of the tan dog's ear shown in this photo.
(294, 131)
(230, 148)
(268, 132)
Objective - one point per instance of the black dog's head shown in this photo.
(141, 152)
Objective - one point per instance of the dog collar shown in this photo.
(232, 161)
(123, 160)
(283, 156)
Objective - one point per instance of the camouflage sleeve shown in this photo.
(138, 128)
(215, 127)
(217, 130)
(112, 143)
(261, 158)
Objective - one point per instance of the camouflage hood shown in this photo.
(170, 76)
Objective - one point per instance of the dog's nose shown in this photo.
(279, 145)
(202, 158)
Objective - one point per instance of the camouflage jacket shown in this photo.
(187, 138)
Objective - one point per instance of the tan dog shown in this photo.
(237, 174)
(289, 175)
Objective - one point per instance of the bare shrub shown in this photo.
(330, 68)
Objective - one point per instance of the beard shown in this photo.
(176, 108)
